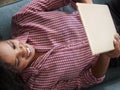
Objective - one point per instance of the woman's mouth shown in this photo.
(28, 52)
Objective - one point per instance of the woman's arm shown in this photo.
(100, 67)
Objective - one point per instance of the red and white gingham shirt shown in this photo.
(66, 64)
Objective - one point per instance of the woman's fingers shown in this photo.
(116, 51)
(117, 45)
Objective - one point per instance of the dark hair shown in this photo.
(9, 78)
(1, 38)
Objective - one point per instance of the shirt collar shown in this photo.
(23, 37)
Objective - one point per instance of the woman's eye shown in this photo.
(13, 45)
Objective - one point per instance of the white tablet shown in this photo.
(99, 26)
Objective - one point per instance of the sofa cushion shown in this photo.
(6, 2)
(6, 13)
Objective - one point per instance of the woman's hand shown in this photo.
(100, 67)
(116, 52)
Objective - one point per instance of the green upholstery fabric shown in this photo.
(6, 13)
(7, 2)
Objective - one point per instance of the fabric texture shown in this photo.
(7, 2)
(67, 59)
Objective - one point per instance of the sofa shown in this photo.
(112, 80)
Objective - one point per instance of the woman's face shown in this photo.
(16, 53)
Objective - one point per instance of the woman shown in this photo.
(50, 48)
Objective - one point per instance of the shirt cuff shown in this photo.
(92, 78)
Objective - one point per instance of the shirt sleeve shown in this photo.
(34, 7)
(87, 79)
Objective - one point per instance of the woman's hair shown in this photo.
(9, 78)
(1, 38)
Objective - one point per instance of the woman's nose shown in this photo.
(22, 50)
